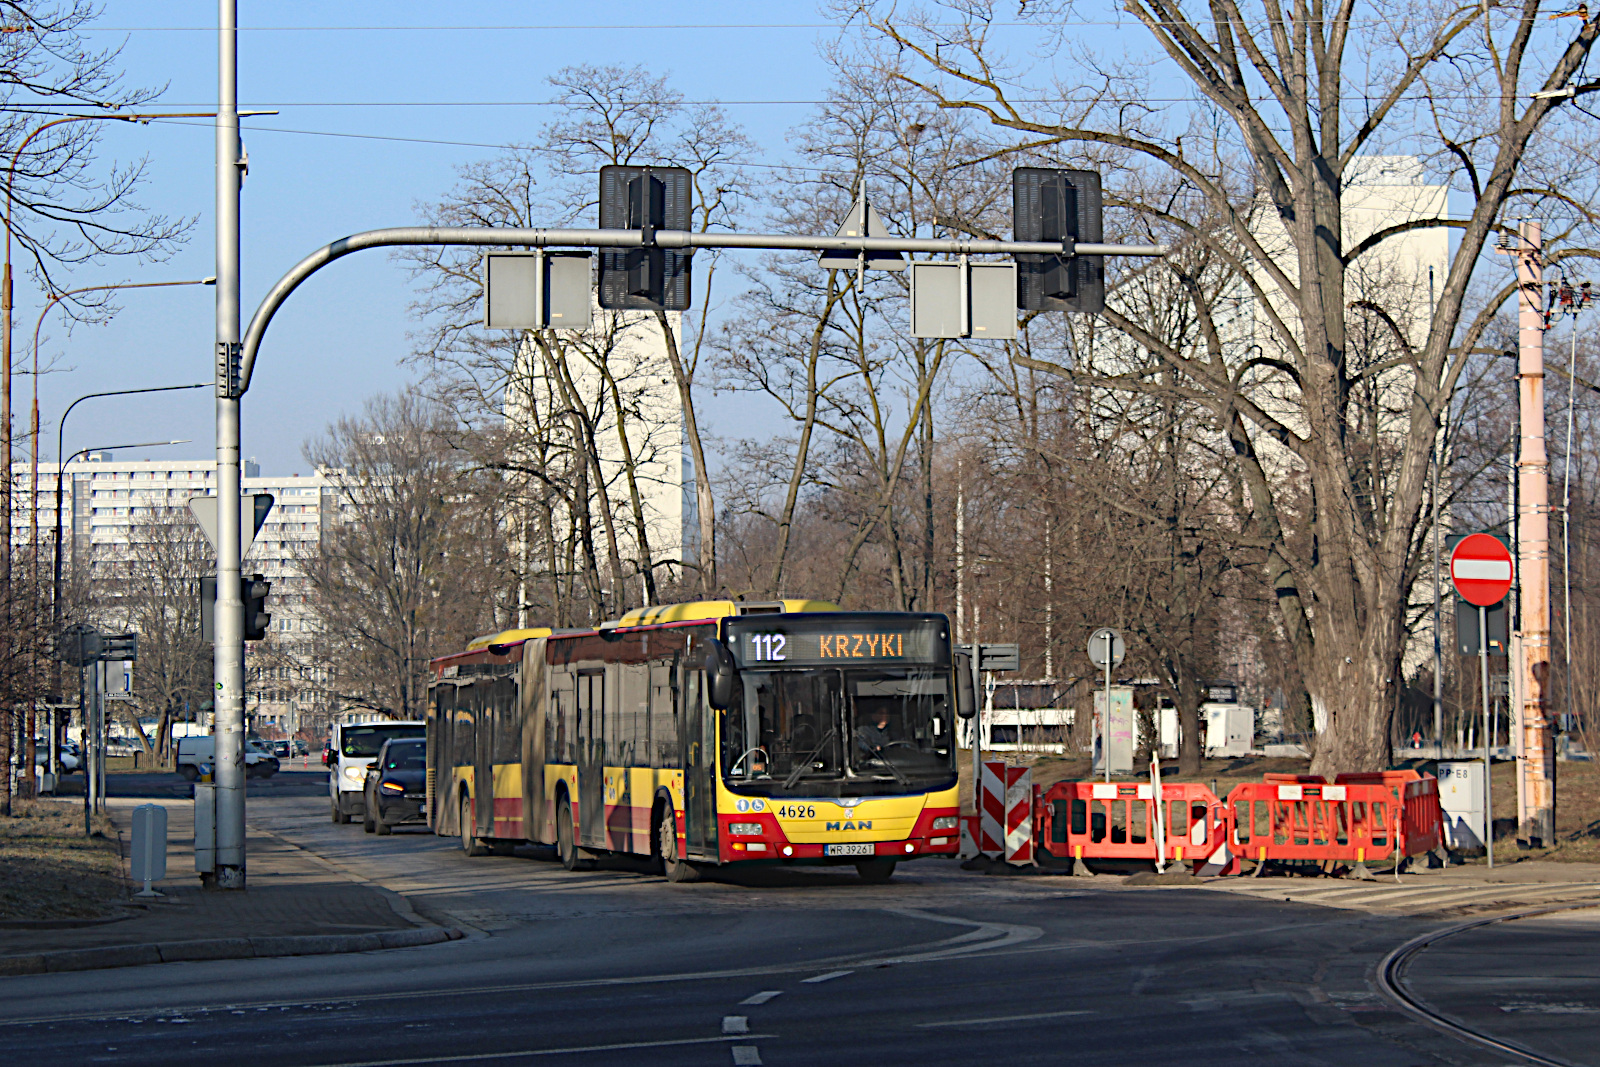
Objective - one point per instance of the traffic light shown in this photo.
(208, 609)
(256, 619)
(646, 199)
(1058, 205)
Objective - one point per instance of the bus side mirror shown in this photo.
(966, 694)
(721, 675)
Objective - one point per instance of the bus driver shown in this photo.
(873, 738)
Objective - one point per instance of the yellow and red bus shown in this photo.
(705, 734)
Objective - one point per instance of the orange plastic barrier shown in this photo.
(1422, 819)
(1316, 821)
(1117, 820)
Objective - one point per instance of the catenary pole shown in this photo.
(228, 652)
(1535, 820)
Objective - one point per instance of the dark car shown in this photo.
(396, 784)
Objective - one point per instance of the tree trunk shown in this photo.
(705, 504)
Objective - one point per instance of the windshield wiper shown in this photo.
(803, 765)
(884, 759)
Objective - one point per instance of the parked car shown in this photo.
(300, 747)
(396, 785)
(283, 750)
(66, 759)
(195, 753)
(351, 749)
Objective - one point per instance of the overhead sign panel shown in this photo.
(537, 290)
(951, 298)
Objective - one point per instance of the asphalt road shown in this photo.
(940, 966)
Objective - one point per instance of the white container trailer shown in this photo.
(1230, 729)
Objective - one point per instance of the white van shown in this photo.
(201, 751)
(351, 748)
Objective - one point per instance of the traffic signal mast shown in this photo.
(645, 244)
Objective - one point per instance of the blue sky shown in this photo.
(343, 335)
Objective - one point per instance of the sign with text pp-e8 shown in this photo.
(817, 639)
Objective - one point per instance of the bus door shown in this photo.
(483, 760)
(530, 709)
(591, 758)
(699, 768)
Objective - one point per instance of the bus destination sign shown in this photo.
(838, 640)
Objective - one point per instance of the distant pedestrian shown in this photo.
(1416, 739)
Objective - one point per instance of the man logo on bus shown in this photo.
(864, 824)
(860, 646)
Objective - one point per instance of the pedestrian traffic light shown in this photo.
(1048, 204)
(646, 199)
(256, 619)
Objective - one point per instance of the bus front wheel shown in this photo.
(566, 845)
(675, 869)
(875, 871)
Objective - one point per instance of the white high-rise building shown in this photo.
(619, 380)
(107, 505)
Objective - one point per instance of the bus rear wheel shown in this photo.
(675, 869)
(875, 871)
(469, 841)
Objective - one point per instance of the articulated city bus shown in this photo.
(703, 734)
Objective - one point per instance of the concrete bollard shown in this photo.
(148, 861)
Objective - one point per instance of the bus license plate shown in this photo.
(864, 848)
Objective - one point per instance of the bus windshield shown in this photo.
(836, 731)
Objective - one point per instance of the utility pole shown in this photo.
(228, 652)
(1536, 817)
(1438, 638)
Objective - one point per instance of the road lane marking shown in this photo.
(763, 997)
(746, 1054)
(735, 1024)
(479, 1057)
(830, 976)
(1001, 1019)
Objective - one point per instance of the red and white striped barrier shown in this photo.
(1005, 824)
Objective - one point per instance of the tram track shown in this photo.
(1392, 984)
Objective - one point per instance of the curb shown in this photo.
(220, 948)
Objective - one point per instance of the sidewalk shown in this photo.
(296, 904)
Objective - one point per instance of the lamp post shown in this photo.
(61, 466)
(55, 597)
(5, 305)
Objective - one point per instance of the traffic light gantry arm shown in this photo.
(541, 237)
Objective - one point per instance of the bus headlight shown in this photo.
(745, 829)
(945, 822)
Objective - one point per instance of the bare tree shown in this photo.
(151, 588)
(1305, 93)
(415, 571)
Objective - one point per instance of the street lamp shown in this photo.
(5, 304)
(55, 592)
(33, 428)
(5, 293)
(61, 466)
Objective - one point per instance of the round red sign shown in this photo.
(1482, 569)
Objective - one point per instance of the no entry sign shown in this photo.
(1481, 569)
